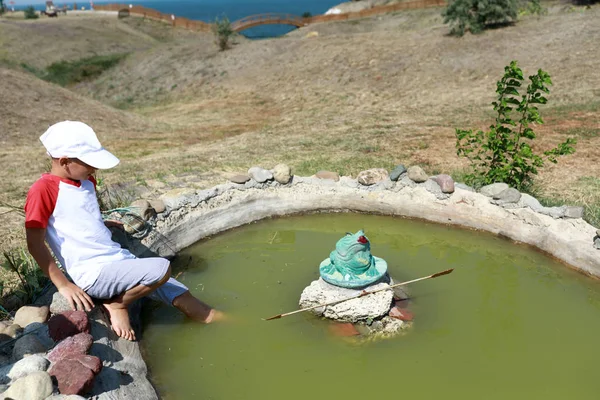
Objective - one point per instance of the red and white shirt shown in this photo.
(75, 231)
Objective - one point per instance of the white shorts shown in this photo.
(117, 277)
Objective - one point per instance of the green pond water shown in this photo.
(508, 323)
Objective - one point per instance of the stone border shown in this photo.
(192, 215)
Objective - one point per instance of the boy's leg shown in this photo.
(121, 283)
(178, 295)
(118, 311)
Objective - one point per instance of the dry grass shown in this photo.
(373, 93)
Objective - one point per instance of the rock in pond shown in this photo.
(416, 174)
(372, 176)
(397, 171)
(282, 173)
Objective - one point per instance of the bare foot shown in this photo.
(119, 319)
(215, 316)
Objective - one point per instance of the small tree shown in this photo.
(503, 154)
(307, 14)
(2, 7)
(223, 32)
(30, 13)
(476, 15)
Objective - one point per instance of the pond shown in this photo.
(509, 322)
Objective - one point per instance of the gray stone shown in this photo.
(30, 314)
(158, 205)
(260, 175)
(405, 181)
(328, 175)
(26, 346)
(239, 178)
(144, 209)
(527, 200)
(59, 304)
(397, 171)
(360, 309)
(372, 176)
(4, 360)
(554, 212)
(598, 232)
(385, 184)
(464, 187)
(348, 182)
(510, 195)
(40, 331)
(36, 386)
(282, 173)
(493, 189)
(597, 243)
(434, 188)
(65, 397)
(24, 367)
(416, 174)
(3, 388)
(573, 212)
(446, 183)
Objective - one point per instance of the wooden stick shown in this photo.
(361, 294)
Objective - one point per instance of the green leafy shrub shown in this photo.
(504, 153)
(533, 7)
(476, 15)
(223, 32)
(30, 13)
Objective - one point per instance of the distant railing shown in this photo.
(269, 18)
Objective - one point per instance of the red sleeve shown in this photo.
(40, 203)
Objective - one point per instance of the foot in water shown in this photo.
(119, 320)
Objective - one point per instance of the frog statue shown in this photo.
(351, 264)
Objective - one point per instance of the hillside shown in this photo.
(360, 94)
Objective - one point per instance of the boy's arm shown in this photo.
(77, 298)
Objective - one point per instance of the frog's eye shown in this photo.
(348, 234)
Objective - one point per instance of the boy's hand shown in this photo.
(77, 298)
(110, 223)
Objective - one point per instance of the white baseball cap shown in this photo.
(75, 139)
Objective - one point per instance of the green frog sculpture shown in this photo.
(351, 264)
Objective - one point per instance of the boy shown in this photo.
(62, 209)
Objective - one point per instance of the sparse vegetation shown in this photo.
(504, 153)
(475, 15)
(30, 13)
(2, 7)
(306, 14)
(223, 32)
(65, 73)
(31, 279)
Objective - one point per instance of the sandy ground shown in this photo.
(360, 94)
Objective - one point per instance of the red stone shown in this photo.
(401, 314)
(67, 324)
(91, 362)
(72, 377)
(71, 346)
(343, 330)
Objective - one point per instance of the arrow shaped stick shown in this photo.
(361, 294)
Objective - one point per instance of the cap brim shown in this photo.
(101, 159)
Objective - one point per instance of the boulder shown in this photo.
(372, 176)
(464, 187)
(361, 309)
(334, 176)
(40, 331)
(597, 243)
(158, 205)
(401, 314)
(30, 314)
(72, 377)
(239, 178)
(259, 174)
(71, 347)
(445, 181)
(91, 362)
(27, 345)
(510, 195)
(67, 324)
(282, 173)
(144, 209)
(416, 174)
(24, 367)
(36, 386)
(59, 304)
(397, 171)
(573, 212)
(493, 189)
